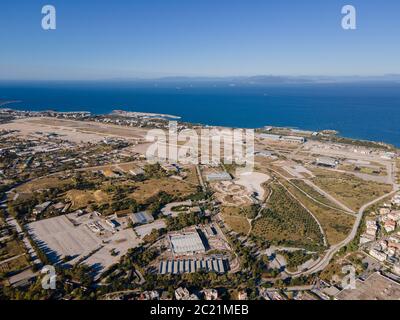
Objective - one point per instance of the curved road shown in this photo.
(322, 263)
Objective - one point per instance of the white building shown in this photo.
(390, 225)
(327, 162)
(365, 238)
(220, 176)
(380, 256)
(187, 243)
(293, 139)
(210, 294)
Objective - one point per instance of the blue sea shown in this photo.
(368, 111)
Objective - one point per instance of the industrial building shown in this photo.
(294, 139)
(327, 162)
(218, 265)
(187, 243)
(276, 137)
(219, 176)
(269, 136)
(142, 217)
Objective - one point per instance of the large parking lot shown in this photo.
(70, 235)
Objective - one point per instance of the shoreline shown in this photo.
(148, 116)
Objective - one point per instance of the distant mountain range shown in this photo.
(265, 79)
(256, 80)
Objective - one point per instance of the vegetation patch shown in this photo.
(294, 259)
(351, 190)
(336, 224)
(235, 219)
(286, 222)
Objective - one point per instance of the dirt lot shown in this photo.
(235, 220)
(150, 188)
(352, 191)
(82, 198)
(71, 130)
(42, 183)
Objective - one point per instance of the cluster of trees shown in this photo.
(184, 220)
(21, 209)
(286, 222)
(155, 203)
(80, 183)
(296, 258)
(154, 171)
(251, 211)
(76, 282)
(126, 203)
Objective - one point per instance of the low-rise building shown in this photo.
(379, 255)
(184, 294)
(41, 207)
(219, 176)
(242, 295)
(149, 295)
(112, 223)
(179, 266)
(141, 217)
(210, 294)
(365, 238)
(326, 162)
(390, 225)
(187, 243)
(394, 215)
(293, 139)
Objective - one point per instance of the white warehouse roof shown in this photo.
(187, 243)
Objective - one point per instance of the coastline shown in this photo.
(144, 117)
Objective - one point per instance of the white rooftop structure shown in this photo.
(220, 176)
(327, 162)
(187, 243)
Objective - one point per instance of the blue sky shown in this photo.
(151, 38)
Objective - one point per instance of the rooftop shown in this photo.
(187, 243)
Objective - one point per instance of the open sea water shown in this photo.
(369, 111)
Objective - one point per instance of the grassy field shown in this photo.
(149, 188)
(82, 198)
(378, 171)
(335, 224)
(44, 183)
(352, 191)
(235, 219)
(313, 193)
(286, 222)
